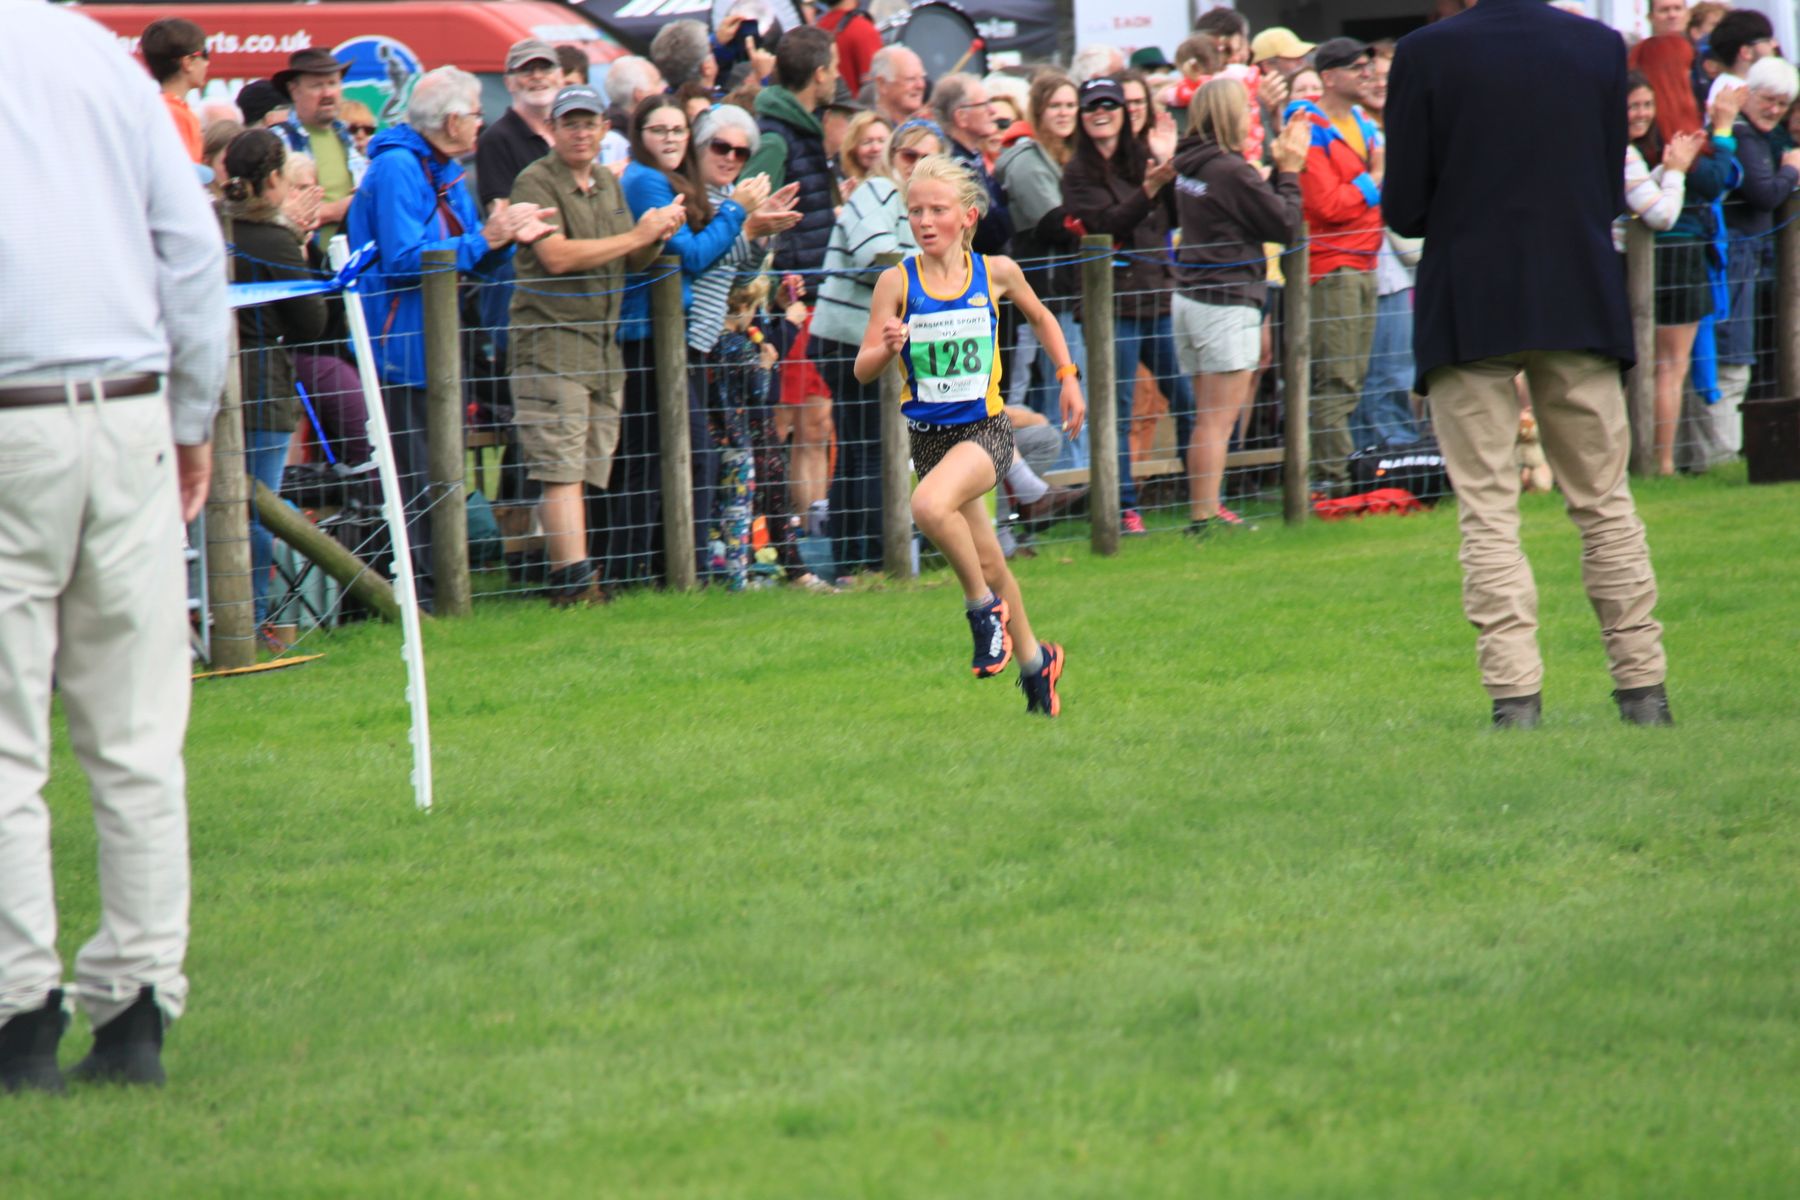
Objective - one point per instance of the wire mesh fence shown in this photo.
(589, 431)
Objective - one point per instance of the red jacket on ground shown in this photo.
(1342, 203)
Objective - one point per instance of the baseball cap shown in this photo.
(1340, 52)
(530, 50)
(576, 98)
(1096, 90)
(1149, 58)
(1277, 42)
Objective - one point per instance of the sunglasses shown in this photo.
(1003, 123)
(364, 129)
(725, 149)
(909, 156)
(1102, 106)
(203, 52)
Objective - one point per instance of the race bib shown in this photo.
(952, 355)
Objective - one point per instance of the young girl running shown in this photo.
(936, 311)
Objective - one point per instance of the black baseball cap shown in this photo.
(1340, 52)
(1096, 90)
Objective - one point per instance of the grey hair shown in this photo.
(884, 65)
(439, 95)
(948, 95)
(1774, 77)
(1091, 62)
(726, 116)
(625, 77)
(678, 50)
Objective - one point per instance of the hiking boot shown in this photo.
(1519, 712)
(1131, 522)
(993, 644)
(28, 1048)
(128, 1048)
(576, 585)
(1040, 689)
(1644, 705)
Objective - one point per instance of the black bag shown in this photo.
(1419, 468)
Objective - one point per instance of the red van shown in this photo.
(387, 43)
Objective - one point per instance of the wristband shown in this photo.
(1069, 371)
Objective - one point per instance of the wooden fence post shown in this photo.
(229, 587)
(1296, 382)
(669, 328)
(1101, 392)
(1640, 383)
(896, 467)
(444, 451)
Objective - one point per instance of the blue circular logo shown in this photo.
(381, 75)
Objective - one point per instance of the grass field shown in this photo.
(762, 895)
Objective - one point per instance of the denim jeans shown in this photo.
(1150, 341)
(1383, 416)
(265, 454)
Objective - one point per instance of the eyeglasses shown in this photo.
(725, 149)
(1102, 106)
(666, 131)
(363, 129)
(975, 104)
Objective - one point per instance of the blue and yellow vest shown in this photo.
(951, 357)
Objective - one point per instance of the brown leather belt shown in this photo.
(56, 393)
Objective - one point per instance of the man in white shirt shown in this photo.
(112, 357)
(1738, 41)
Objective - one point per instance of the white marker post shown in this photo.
(394, 509)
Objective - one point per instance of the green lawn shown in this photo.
(762, 895)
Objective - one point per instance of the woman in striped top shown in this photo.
(1654, 195)
(872, 222)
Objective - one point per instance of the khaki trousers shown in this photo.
(1580, 408)
(1343, 312)
(93, 594)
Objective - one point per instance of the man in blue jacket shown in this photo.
(1514, 190)
(415, 198)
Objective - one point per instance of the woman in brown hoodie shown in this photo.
(1227, 211)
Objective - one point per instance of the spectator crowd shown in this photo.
(772, 164)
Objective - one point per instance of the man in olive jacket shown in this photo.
(1514, 190)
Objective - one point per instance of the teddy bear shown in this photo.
(1534, 469)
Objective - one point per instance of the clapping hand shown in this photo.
(302, 207)
(1290, 149)
(521, 223)
(1683, 149)
(750, 193)
(1162, 137)
(659, 224)
(776, 214)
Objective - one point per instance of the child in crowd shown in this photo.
(937, 313)
(740, 394)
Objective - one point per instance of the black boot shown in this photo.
(28, 1048)
(1519, 712)
(1644, 705)
(128, 1048)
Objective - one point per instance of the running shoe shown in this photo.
(1131, 522)
(1040, 689)
(1231, 518)
(993, 643)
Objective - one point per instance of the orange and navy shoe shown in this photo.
(993, 642)
(1040, 688)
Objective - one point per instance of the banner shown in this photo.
(1133, 24)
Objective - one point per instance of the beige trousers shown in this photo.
(1580, 408)
(93, 595)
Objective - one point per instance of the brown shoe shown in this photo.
(576, 586)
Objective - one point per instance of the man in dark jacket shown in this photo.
(792, 148)
(964, 110)
(1514, 190)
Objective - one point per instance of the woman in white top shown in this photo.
(1654, 195)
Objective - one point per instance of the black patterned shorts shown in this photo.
(931, 442)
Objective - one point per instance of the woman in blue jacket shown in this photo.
(658, 175)
(415, 198)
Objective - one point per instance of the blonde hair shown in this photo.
(747, 296)
(355, 112)
(1220, 113)
(853, 134)
(941, 168)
